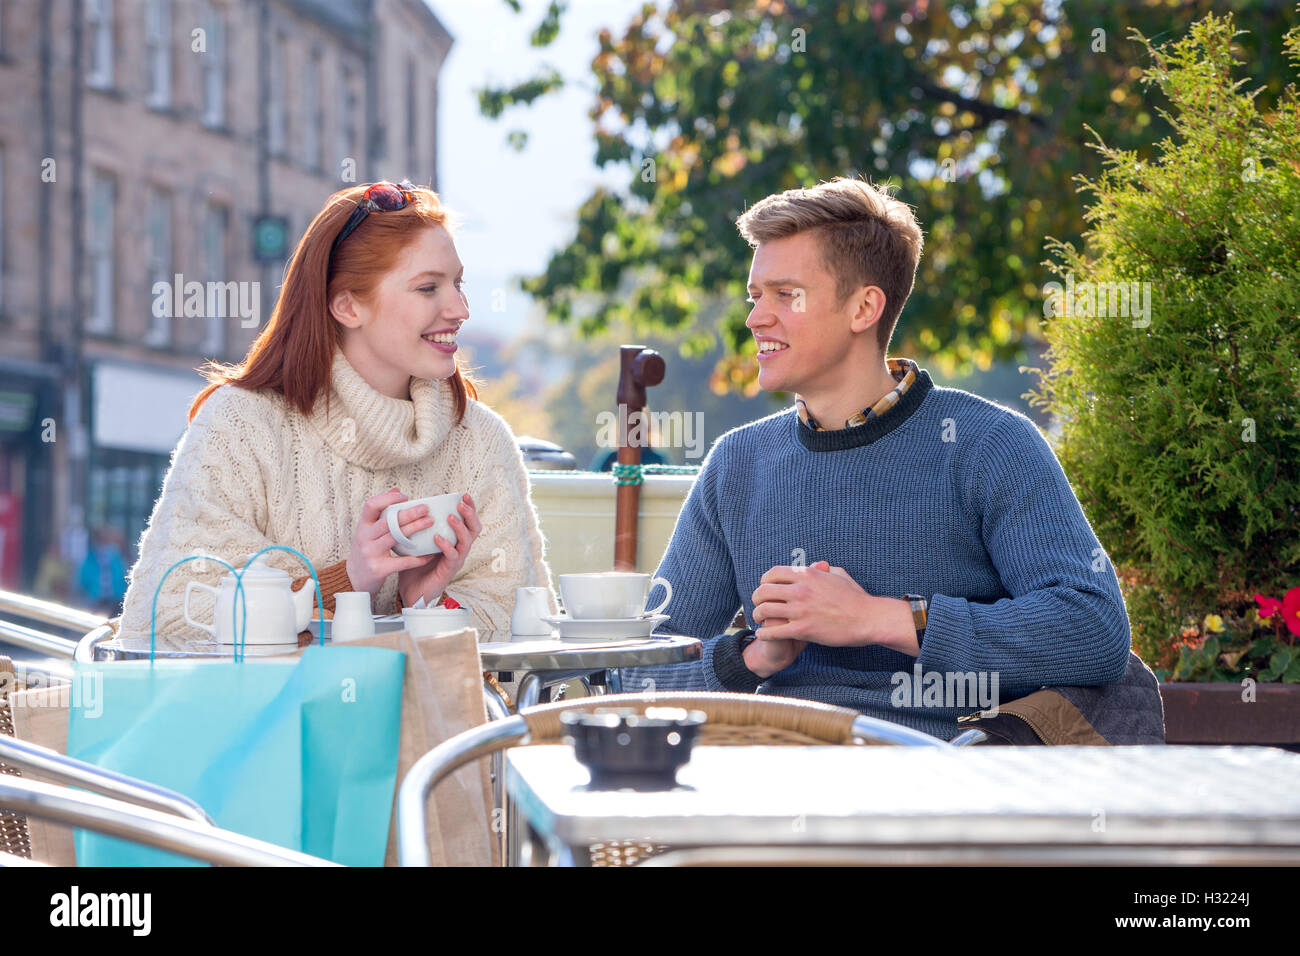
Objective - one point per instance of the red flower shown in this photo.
(1267, 605)
(449, 603)
(1291, 610)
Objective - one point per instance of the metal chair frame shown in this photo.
(77, 773)
(155, 828)
(497, 735)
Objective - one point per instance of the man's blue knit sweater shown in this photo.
(947, 496)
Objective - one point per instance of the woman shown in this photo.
(350, 400)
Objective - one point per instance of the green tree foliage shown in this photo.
(975, 110)
(1181, 430)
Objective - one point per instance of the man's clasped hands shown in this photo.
(820, 604)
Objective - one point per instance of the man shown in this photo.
(910, 551)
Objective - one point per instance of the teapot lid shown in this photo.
(259, 572)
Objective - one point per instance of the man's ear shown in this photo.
(344, 308)
(870, 301)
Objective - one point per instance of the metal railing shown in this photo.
(32, 640)
(13, 604)
(15, 607)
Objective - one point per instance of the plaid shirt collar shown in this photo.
(904, 372)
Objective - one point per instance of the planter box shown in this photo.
(576, 514)
(1214, 713)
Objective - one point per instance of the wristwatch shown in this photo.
(744, 638)
(919, 608)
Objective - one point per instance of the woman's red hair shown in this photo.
(295, 352)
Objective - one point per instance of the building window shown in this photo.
(412, 149)
(213, 66)
(99, 20)
(158, 52)
(215, 225)
(160, 265)
(312, 114)
(99, 247)
(275, 105)
(347, 118)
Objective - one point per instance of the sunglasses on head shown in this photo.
(380, 197)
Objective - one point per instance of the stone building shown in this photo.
(147, 145)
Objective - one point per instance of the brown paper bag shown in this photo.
(442, 695)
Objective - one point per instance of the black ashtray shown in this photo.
(622, 747)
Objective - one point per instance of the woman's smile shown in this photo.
(444, 342)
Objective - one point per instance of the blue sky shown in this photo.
(516, 207)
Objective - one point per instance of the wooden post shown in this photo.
(639, 369)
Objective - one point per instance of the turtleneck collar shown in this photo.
(370, 429)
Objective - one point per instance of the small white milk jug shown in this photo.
(352, 617)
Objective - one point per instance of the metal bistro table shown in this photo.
(104, 644)
(546, 662)
(1222, 806)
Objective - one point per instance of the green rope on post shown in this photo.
(628, 475)
(672, 469)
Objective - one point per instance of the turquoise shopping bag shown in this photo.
(301, 752)
(351, 704)
(226, 734)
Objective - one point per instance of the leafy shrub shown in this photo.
(1180, 426)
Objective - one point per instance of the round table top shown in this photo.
(553, 654)
(499, 650)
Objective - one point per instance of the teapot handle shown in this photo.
(190, 588)
(235, 606)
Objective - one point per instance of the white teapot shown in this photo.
(276, 612)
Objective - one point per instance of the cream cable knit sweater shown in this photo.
(251, 471)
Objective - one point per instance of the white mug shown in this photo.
(352, 617)
(441, 507)
(531, 606)
(423, 621)
(610, 595)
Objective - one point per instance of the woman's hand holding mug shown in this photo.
(431, 575)
(370, 563)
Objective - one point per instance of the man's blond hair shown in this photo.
(867, 237)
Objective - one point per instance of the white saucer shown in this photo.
(599, 629)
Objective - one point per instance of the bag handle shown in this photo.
(241, 604)
(320, 600)
(235, 608)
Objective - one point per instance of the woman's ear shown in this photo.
(344, 309)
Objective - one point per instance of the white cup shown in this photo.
(441, 507)
(531, 606)
(423, 621)
(610, 595)
(352, 618)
